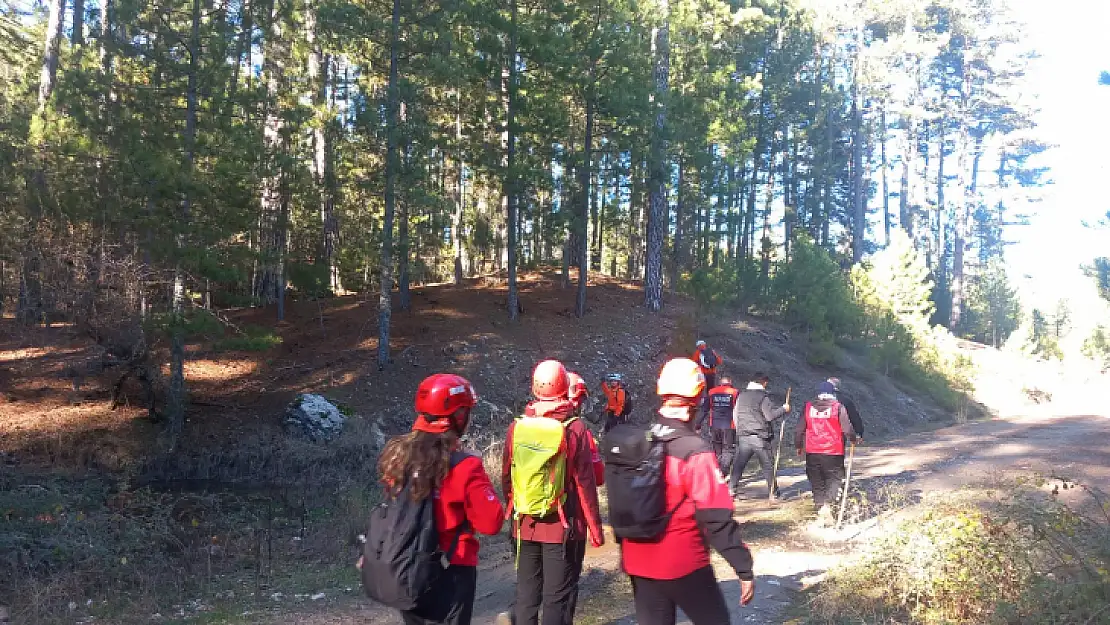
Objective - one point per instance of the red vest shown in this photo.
(823, 433)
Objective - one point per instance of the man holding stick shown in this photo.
(820, 439)
(753, 417)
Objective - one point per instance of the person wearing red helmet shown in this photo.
(428, 462)
(578, 394)
(672, 570)
(551, 547)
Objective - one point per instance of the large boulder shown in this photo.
(314, 417)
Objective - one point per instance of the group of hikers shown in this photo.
(668, 499)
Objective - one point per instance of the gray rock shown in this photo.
(314, 417)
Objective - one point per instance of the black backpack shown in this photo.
(710, 358)
(635, 465)
(401, 558)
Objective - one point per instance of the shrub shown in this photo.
(813, 294)
(1022, 557)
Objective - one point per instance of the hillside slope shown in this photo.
(242, 509)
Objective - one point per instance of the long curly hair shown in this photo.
(417, 459)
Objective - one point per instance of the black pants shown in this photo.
(746, 447)
(710, 383)
(450, 601)
(612, 420)
(826, 478)
(547, 575)
(724, 447)
(697, 594)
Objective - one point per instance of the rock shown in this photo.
(314, 417)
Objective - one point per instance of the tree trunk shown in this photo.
(885, 165)
(457, 231)
(77, 34)
(322, 171)
(859, 206)
(51, 48)
(941, 244)
(585, 174)
(385, 304)
(905, 206)
(657, 187)
(175, 409)
(597, 205)
(677, 249)
(511, 187)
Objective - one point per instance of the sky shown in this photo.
(1073, 38)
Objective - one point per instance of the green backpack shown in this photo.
(539, 465)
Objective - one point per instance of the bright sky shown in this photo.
(1071, 36)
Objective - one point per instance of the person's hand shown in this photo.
(358, 565)
(597, 540)
(801, 452)
(747, 591)
(786, 407)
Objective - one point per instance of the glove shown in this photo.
(747, 591)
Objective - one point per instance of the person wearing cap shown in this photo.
(754, 417)
(673, 570)
(551, 549)
(850, 406)
(708, 360)
(820, 439)
(618, 404)
(428, 460)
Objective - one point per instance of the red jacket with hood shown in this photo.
(581, 508)
(698, 494)
(467, 496)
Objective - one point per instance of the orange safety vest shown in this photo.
(697, 359)
(615, 395)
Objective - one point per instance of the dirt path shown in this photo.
(788, 556)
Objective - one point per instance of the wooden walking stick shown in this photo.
(778, 451)
(847, 482)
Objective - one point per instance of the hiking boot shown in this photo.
(773, 498)
(825, 516)
(504, 618)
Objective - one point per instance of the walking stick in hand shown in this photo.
(778, 451)
(847, 482)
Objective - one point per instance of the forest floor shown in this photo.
(244, 523)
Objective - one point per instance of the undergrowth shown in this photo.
(1019, 555)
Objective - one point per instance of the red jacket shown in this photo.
(581, 508)
(698, 494)
(823, 428)
(467, 495)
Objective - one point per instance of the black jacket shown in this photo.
(754, 413)
(853, 412)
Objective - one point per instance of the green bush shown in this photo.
(730, 285)
(1097, 346)
(813, 295)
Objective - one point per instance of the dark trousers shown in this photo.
(746, 447)
(826, 478)
(710, 383)
(547, 575)
(724, 447)
(449, 602)
(612, 420)
(697, 594)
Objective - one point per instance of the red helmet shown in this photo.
(438, 398)
(549, 381)
(578, 391)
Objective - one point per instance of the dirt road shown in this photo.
(787, 555)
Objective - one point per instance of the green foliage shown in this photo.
(253, 339)
(1097, 346)
(1100, 273)
(993, 310)
(309, 279)
(1042, 339)
(730, 285)
(813, 294)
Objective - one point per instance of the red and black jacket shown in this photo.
(722, 399)
(823, 428)
(581, 508)
(698, 494)
(467, 500)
